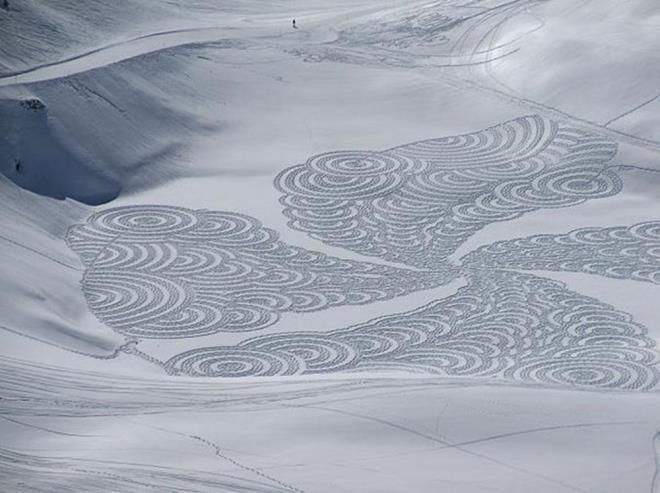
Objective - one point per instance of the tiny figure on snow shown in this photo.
(18, 165)
(294, 24)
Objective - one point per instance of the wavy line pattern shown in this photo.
(416, 204)
(170, 272)
(620, 252)
(503, 324)
(156, 271)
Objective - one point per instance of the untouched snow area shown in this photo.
(404, 246)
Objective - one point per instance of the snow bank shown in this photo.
(36, 32)
(35, 156)
(41, 297)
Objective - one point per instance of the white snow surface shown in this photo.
(403, 246)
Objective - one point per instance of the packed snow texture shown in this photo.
(395, 246)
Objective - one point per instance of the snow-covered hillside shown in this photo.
(397, 246)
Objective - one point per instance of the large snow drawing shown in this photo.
(503, 324)
(619, 252)
(170, 272)
(155, 271)
(417, 203)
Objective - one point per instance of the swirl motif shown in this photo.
(619, 252)
(165, 272)
(170, 272)
(234, 362)
(150, 222)
(416, 204)
(503, 324)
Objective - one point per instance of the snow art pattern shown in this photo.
(159, 272)
(619, 252)
(416, 204)
(170, 272)
(506, 324)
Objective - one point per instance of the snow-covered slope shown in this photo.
(37, 33)
(403, 246)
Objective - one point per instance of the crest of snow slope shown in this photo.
(36, 32)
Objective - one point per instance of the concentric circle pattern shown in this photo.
(619, 252)
(170, 272)
(503, 324)
(417, 203)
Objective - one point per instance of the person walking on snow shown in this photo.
(294, 24)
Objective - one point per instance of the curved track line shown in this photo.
(114, 53)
